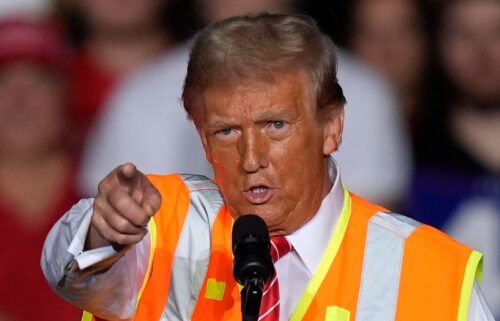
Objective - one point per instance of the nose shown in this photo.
(254, 151)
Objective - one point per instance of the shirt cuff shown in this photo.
(85, 259)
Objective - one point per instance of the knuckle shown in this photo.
(137, 195)
(97, 221)
(157, 200)
(150, 209)
(98, 205)
(121, 201)
(100, 214)
(94, 221)
(121, 239)
(103, 186)
(140, 218)
(122, 225)
(153, 203)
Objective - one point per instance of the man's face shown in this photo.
(268, 147)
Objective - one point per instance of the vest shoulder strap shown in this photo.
(385, 242)
(193, 250)
(204, 192)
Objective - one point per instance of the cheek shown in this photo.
(458, 66)
(47, 106)
(225, 165)
(297, 159)
(293, 158)
(223, 156)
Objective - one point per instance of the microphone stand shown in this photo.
(251, 296)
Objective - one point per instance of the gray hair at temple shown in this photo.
(244, 49)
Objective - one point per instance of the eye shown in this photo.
(224, 132)
(278, 124)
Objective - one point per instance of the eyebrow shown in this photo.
(219, 124)
(275, 115)
(283, 114)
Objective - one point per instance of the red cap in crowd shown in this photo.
(34, 40)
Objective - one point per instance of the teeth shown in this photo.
(258, 190)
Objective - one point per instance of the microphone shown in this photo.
(253, 265)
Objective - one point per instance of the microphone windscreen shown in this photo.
(249, 225)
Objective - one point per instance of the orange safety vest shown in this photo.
(378, 265)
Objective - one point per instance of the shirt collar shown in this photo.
(311, 240)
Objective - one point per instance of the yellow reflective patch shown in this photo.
(86, 316)
(215, 290)
(337, 314)
(240, 287)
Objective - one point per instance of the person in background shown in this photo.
(391, 36)
(144, 123)
(457, 179)
(112, 38)
(36, 168)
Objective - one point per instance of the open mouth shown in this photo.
(258, 194)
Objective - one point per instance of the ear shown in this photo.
(332, 130)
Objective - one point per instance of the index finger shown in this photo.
(126, 172)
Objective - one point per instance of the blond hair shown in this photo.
(241, 49)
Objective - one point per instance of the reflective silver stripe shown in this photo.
(378, 295)
(193, 251)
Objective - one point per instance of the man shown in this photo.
(263, 94)
(158, 138)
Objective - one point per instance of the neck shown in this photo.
(29, 186)
(477, 131)
(485, 107)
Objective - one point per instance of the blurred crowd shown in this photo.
(86, 85)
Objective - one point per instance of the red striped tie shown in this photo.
(270, 304)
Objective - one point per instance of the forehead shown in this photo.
(473, 12)
(282, 92)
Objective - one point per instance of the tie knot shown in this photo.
(280, 246)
